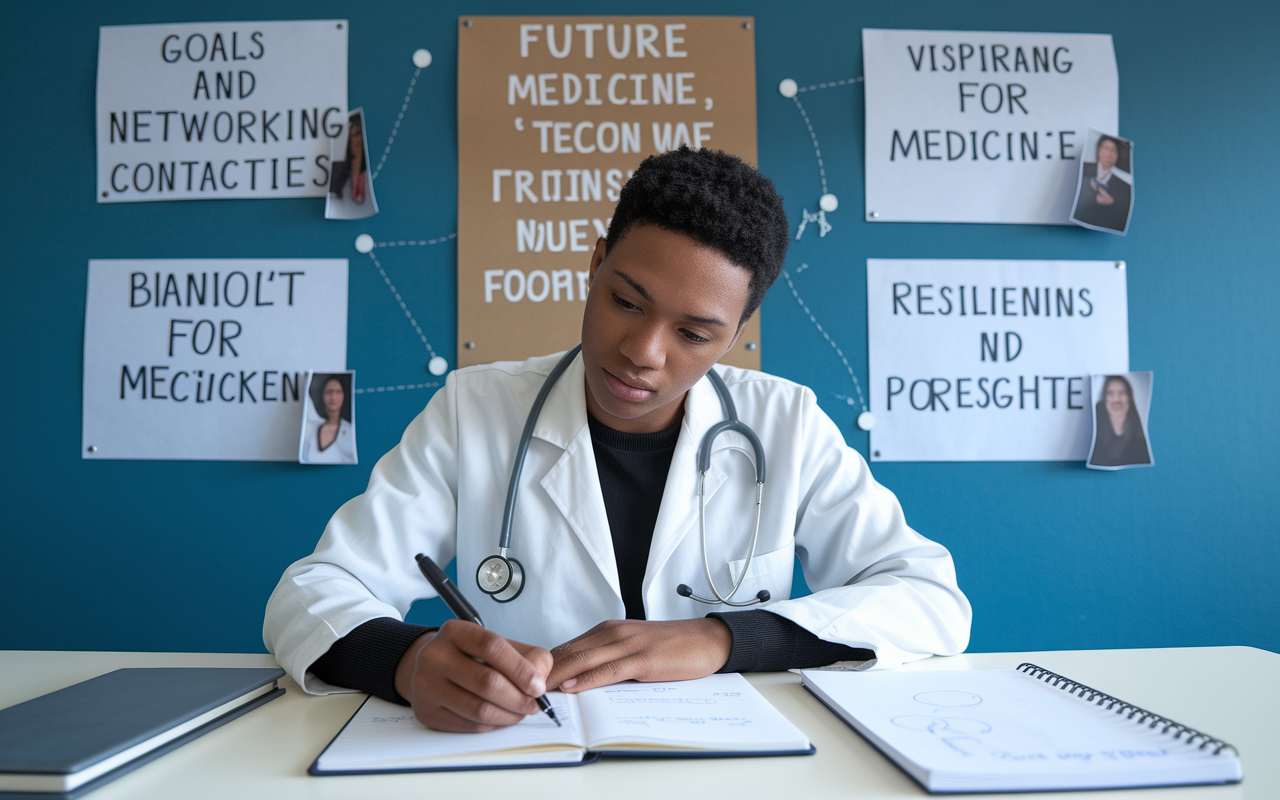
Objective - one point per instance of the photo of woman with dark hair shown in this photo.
(1104, 197)
(1119, 436)
(352, 170)
(350, 185)
(328, 428)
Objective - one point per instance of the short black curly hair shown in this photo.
(716, 199)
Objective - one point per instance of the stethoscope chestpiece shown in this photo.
(501, 578)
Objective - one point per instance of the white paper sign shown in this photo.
(207, 359)
(968, 126)
(219, 109)
(989, 360)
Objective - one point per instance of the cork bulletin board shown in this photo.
(553, 115)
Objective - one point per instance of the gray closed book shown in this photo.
(72, 741)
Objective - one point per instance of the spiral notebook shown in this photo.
(716, 716)
(1024, 729)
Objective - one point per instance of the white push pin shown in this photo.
(364, 243)
(788, 88)
(437, 366)
(828, 202)
(422, 58)
(866, 420)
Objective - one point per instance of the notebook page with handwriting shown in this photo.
(384, 737)
(719, 713)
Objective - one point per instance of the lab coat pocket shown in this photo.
(772, 571)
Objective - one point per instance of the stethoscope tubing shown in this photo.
(731, 422)
(706, 563)
(508, 510)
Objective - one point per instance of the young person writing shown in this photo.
(606, 524)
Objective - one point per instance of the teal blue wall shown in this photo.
(119, 555)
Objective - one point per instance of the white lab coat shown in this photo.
(877, 583)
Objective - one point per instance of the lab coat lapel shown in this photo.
(678, 515)
(573, 482)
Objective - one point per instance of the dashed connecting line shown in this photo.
(412, 243)
(856, 386)
(828, 201)
(816, 86)
(365, 244)
(822, 170)
(408, 95)
(397, 388)
(400, 300)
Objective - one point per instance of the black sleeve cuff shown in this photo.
(766, 642)
(366, 658)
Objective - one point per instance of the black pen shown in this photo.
(463, 610)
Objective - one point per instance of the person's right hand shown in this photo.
(466, 679)
(1104, 197)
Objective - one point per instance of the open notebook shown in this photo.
(1024, 729)
(721, 715)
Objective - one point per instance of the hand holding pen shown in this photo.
(466, 678)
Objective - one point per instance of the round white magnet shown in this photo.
(364, 243)
(788, 88)
(828, 202)
(866, 420)
(438, 366)
(421, 58)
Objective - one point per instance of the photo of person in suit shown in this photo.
(1119, 434)
(1104, 196)
(328, 426)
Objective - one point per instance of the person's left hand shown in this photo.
(621, 650)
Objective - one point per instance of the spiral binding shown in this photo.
(1090, 694)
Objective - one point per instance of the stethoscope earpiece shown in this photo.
(683, 590)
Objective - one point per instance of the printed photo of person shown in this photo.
(350, 182)
(328, 423)
(1122, 404)
(1104, 193)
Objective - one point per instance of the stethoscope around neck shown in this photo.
(502, 577)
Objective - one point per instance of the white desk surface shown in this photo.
(1229, 692)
